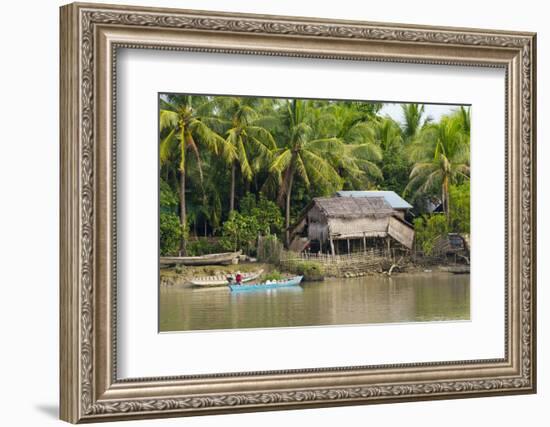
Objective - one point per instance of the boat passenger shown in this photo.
(239, 278)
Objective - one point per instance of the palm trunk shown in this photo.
(287, 210)
(443, 203)
(445, 197)
(286, 184)
(183, 212)
(287, 187)
(232, 194)
(286, 190)
(281, 194)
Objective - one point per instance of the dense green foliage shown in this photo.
(239, 232)
(168, 199)
(170, 233)
(170, 229)
(428, 229)
(202, 246)
(441, 157)
(256, 217)
(309, 269)
(267, 213)
(395, 169)
(459, 196)
(234, 168)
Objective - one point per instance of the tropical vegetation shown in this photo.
(233, 168)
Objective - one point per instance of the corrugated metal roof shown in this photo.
(353, 207)
(391, 197)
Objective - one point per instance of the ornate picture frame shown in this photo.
(90, 37)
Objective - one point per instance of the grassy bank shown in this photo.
(311, 270)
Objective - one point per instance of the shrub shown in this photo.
(202, 247)
(267, 214)
(313, 270)
(247, 204)
(309, 269)
(239, 232)
(269, 217)
(168, 199)
(170, 234)
(459, 196)
(428, 229)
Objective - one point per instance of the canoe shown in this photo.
(293, 281)
(224, 258)
(221, 280)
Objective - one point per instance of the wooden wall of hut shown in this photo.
(371, 226)
(401, 231)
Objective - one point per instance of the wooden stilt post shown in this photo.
(349, 251)
(332, 246)
(365, 242)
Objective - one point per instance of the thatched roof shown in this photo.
(391, 197)
(353, 207)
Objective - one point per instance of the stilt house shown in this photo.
(348, 223)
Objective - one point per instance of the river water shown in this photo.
(372, 299)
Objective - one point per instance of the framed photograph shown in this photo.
(266, 212)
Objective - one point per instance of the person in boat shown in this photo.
(239, 278)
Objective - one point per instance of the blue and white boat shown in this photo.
(293, 281)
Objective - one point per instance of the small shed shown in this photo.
(452, 243)
(357, 220)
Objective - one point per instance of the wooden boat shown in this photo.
(224, 258)
(459, 269)
(221, 280)
(293, 281)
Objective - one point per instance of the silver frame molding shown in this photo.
(90, 37)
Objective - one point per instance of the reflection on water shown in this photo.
(372, 299)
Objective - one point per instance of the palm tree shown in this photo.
(395, 164)
(303, 154)
(249, 144)
(184, 126)
(463, 116)
(355, 127)
(442, 154)
(414, 121)
(388, 134)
